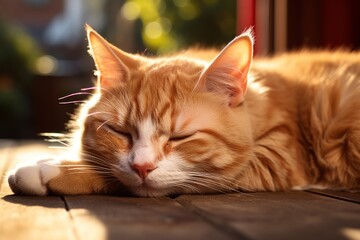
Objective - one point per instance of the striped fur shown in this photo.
(160, 126)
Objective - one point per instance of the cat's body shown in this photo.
(174, 125)
(308, 130)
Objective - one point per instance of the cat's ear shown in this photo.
(113, 65)
(228, 73)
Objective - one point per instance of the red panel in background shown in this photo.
(246, 17)
(323, 24)
(338, 24)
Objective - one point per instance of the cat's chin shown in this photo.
(149, 191)
(146, 191)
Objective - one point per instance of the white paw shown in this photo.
(32, 178)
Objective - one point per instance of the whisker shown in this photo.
(210, 185)
(87, 168)
(88, 88)
(105, 90)
(217, 177)
(71, 102)
(95, 113)
(216, 182)
(75, 94)
(55, 140)
(102, 124)
(196, 85)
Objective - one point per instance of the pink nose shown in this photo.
(143, 169)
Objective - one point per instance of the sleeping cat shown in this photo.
(199, 122)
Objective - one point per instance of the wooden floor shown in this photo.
(285, 215)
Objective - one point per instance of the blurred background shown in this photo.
(43, 52)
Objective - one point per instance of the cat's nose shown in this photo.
(143, 169)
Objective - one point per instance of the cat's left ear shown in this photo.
(228, 73)
(113, 65)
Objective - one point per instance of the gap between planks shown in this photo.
(204, 215)
(339, 195)
(33, 217)
(73, 227)
(216, 223)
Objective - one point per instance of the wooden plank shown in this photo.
(348, 196)
(109, 217)
(26, 151)
(34, 218)
(286, 215)
(282, 215)
(5, 155)
(25, 217)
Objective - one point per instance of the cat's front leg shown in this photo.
(50, 176)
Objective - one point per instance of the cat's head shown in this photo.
(169, 125)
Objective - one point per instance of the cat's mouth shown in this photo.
(148, 187)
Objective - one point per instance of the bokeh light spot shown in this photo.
(46, 65)
(188, 11)
(130, 11)
(181, 3)
(165, 24)
(153, 30)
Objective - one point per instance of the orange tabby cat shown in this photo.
(181, 124)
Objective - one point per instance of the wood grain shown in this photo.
(344, 195)
(22, 151)
(26, 217)
(282, 215)
(106, 217)
(5, 157)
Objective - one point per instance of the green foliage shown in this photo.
(173, 24)
(18, 53)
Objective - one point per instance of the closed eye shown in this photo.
(181, 137)
(118, 131)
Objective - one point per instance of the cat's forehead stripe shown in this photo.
(164, 110)
(137, 99)
(146, 129)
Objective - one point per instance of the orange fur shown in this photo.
(290, 122)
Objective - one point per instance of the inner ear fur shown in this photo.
(227, 74)
(113, 65)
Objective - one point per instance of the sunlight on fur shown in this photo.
(201, 122)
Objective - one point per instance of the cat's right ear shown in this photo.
(227, 74)
(113, 65)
